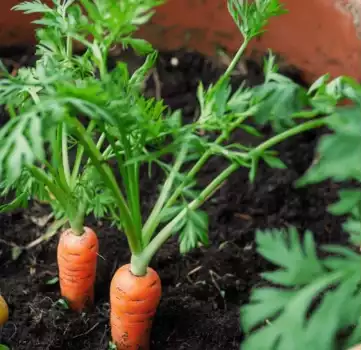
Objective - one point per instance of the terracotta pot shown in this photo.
(316, 36)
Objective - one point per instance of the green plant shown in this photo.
(312, 302)
(49, 100)
(39, 156)
(36, 149)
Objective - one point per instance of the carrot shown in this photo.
(77, 264)
(4, 311)
(133, 301)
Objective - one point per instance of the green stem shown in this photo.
(65, 159)
(52, 171)
(11, 110)
(34, 95)
(57, 181)
(69, 43)
(136, 198)
(58, 150)
(130, 177)
(107, 153)
(140, 262)
(79, 156)
(235, 60)
(103, 69)
(75, 216)
(133, 196)
(196, 168)
(77, 165)
(313, 124)
(153, 221)
(56, 191)
(111, 182)
(100, 141)
(69, 47)
(77, 222)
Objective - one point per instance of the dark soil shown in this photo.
(202, 291)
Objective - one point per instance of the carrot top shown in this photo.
(39, 157)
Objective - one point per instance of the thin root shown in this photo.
(243, 216)
(89, 331)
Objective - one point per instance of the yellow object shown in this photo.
(4, 311)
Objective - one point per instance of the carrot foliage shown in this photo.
(79, 133)
(311, 302)
(72, 117)
(39, 154)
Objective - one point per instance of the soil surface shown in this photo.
(203, 290)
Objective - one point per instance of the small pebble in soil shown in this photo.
(174, 61)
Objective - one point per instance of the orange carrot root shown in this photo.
(77, 263)
(4, 311)
(134, 301)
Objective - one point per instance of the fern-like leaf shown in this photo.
(313, 309)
